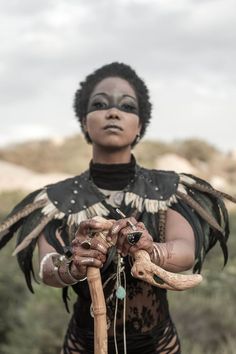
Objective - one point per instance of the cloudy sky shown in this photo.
(184, 49)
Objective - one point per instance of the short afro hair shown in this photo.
(122, 71)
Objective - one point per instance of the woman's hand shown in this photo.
(121, 230)
(88, 248)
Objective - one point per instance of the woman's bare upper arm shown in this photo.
(178, 228)
(44, 247)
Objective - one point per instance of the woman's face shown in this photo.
(112, 119)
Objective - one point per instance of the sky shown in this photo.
(185, 50)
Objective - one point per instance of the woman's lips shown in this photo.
(112, 127)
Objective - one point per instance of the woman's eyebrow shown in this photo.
(134, 98)
(107, 95)
(100, 93)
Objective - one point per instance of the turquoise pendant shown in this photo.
(120, 292)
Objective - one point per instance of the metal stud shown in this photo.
(161, 196)
(156, 189)
(75, 191)
(76, 182)
(72, 201)
(55, 202)
(69, 211)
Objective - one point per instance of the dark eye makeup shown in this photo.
(102, 101)
(129, 108)
(98, 105)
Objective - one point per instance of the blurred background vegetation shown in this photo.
(204, 316)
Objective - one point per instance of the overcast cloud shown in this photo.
(184, 49)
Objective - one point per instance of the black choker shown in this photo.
(112, 176)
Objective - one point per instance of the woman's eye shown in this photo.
(129, 108)
(99, 105)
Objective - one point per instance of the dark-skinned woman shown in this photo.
(177, 218)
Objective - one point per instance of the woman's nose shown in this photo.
(113, 112)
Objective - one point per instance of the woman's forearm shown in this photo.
(174, 256)
(58, 272)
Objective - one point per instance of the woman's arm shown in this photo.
(178, 252)
(51, 272)
(57, 271)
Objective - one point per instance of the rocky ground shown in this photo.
(16, 177)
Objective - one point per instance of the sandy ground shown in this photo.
(15, 177)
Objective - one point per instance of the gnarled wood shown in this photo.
(145, 270)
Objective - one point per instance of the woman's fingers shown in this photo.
(100, 245)
(93, 255)
(91, 226)
(84, 258)
(132, 236)
(122, 223)
(89, 250)
(82, 263)
(103, 223)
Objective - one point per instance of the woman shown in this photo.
(177, 219)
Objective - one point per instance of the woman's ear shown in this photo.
(85, 130)
(84, 124)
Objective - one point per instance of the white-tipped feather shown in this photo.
(186, 179)
(59, 215)
(49, 208)
(34, 233)
(41, 195)
(181, 189)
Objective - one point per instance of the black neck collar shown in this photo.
(112, 176)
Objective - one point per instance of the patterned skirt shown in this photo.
(162, 339)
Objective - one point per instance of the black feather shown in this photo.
(66, 298)
(50, 232)
(7, 236)
(215, 205)
(27, 200)
(25, 257)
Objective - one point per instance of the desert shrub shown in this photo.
(195, 149)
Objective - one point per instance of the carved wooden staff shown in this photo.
(142, 269)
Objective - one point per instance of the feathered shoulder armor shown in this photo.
(76, 199)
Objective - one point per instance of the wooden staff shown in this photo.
(99, 310)
(142, 269)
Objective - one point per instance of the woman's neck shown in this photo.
(111, 156)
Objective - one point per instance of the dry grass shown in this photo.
(73, 154)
